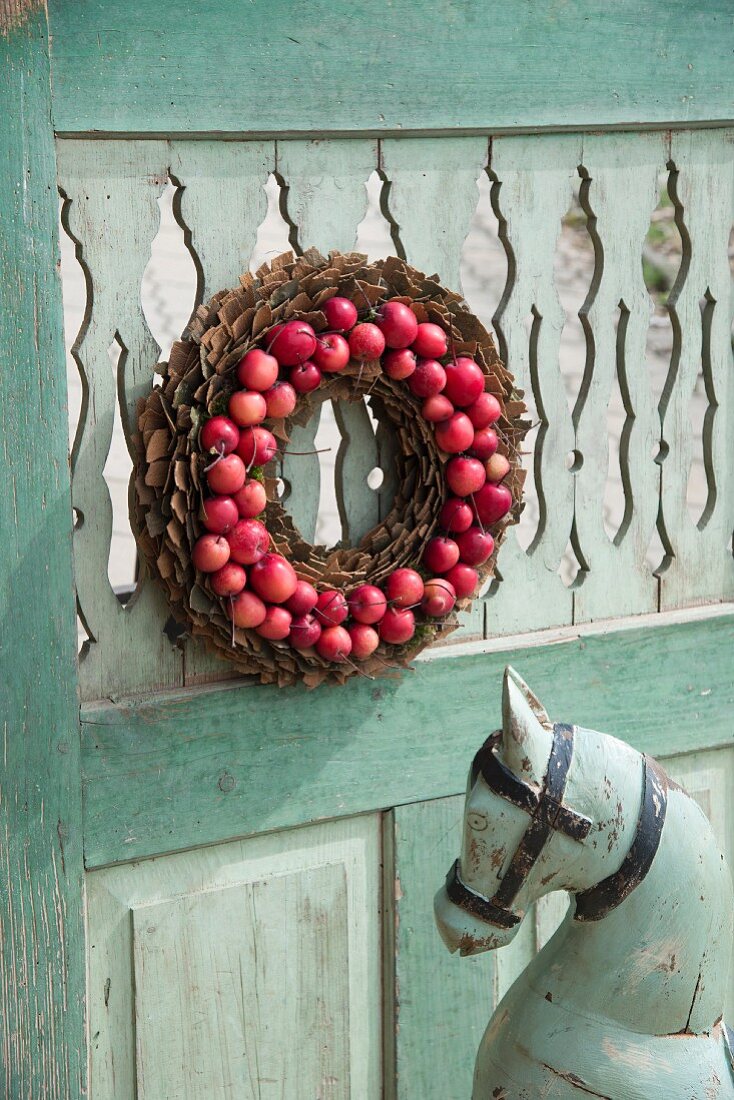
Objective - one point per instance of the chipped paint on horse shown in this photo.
(625, 1002)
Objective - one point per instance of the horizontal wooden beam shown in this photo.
(195, 767)
(312, 66)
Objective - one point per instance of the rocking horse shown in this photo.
(625, 1002)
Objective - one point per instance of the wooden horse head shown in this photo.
(626, 1000)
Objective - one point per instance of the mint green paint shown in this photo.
(310, 66)
(42, 1040)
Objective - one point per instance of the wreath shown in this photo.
(256, 361)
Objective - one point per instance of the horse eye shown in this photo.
(478, 822)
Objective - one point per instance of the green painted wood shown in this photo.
(152, 766)
(140, 68)
(42, 1037)
(249, 969)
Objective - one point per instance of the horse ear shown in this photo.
(526, 730)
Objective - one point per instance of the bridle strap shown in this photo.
(595, 903)
(477, 904)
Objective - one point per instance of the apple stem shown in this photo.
(355, 667)
(476, 513)
(320, 451)
(220, 456)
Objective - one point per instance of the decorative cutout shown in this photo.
(171, 280)
(276, 232)
(123, 556)
(377, 233)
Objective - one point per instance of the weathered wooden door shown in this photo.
(213, 889)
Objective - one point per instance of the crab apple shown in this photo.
(367, 603)
(439, 598)
(437, 408)
(497, 467)
(219, 434)
(273, 578)
(428, 378)
(484, 411)
(366, 341)
(397, 625)
(465, 475)
(248, 541)
(398, 324)
(332, 353)
(247, 407)
(257, 446)
(440, 554)
(331, 607)
(464, 381)
(303, 600)
(210, 553)
(276, 625)
(430, 341)
(305, 377)
(291, 343)
(257, 370)
(305, 631)
(250, 499)
(404, 588)
(220, 514)
(399, 363)
(455, 434)
(280, 399)
(227, 475)
(246, 610)
(491, 503)
(365, 640)
(456, 516)
(334, 643)
(463, 579)
(340, 313)
(484, 444)
(475, 546)
(229, 580)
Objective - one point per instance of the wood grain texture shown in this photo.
(243, 970)
(42, 1038)
(420, 66)
(151, 766)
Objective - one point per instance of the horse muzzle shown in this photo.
(464, 932)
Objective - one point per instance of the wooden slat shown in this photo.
(536, 177)
(152, 767)
(701, 567)
(621, 193)
(112, 213)
(312, 66)
(42, 1031)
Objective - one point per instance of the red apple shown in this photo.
(465, 475)
(305, 632)
(257, 447)
(246, 610)
(464, 381)
(439, 598)
(397, 626)
(247, 407)
(440, 554)
(367, 603)
(210, 553)
(398, 324)
(229, 580)
(219, 434)
(484, 411)
(366, 342)
(332, 353)
(334, 644)
(219, 514)
(251, 499)
(248, 541)
(365, 640)
(484, 444)
(276, 625)
(331, 607)
(430, 341)
(306, 377)
(463, 579)
(273, 578)
(437, 408)
(280, 399)
(475, 546)
(497, 467)
(226, 475)
(456, 516)
(399, 364)
(455, 434)
(428, 378)
(491, 503)
(257, 370)
(303, 600)
(340, 313)
(404, 588)
(291, 343)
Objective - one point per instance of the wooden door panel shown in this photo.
(251, 969)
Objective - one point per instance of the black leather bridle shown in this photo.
(548, 814)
